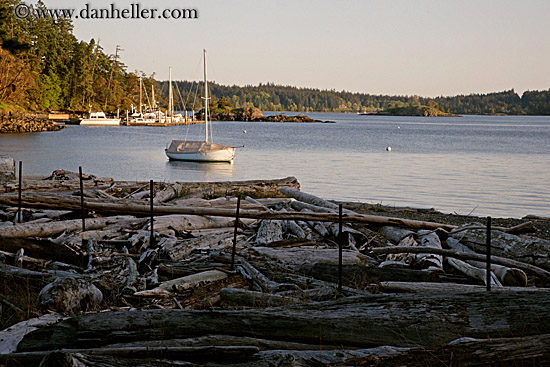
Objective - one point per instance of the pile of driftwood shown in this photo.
(275, 277)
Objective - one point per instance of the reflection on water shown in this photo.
(209, 169)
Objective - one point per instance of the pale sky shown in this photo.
(396, 47)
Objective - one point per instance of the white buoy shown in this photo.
(399, 127)
(244, 131)
(388, 148)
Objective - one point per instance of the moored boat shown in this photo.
(201, 151)
(99, 119)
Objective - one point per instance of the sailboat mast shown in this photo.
(153, 96)
(170, 96)
(205, 100)
(140, 93)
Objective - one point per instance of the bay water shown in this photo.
(483, 165)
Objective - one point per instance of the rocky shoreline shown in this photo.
(255, 115)
(424, 111)
(19, 122)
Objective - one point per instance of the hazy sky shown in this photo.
(396, 47)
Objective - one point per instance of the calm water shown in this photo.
(486, 165)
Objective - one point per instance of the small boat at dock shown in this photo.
(99, 119)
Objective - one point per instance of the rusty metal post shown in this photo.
(488, 254)
(82, 199)
(235, 233)
(20, 212)
(340, 245)
(151, 195)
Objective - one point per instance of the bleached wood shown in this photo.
(507, 276)
(466, 256)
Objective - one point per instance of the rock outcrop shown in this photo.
(18, 122)
(251, 114)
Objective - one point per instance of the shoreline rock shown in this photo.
(425, 111)
(18, 122)
(254, 114)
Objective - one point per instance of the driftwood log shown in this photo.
(49, 229)
(364, 321)
(519, 351)
(72, 202)
(507, 276)
(360, 276)
(466, 256)
(534, 251)
(43, 249)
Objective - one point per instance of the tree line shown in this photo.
(271, 97)
(44, 67)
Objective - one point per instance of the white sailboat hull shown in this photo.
(199, 151)
(99, 119)
(99, 122)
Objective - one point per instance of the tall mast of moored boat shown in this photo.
(153, 108)
(140, 94)
(170, 96)
(205, 100)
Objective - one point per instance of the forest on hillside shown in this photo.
(271, 97)
(44, 67)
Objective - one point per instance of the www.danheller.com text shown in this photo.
(133, 11)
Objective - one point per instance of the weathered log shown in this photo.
(259, 281)
(43, 249)
(178, 269)
(33, 182)
(53, 228)
(500, 352)
(131, 273)
(36, 276)
(427, 260)
(396, 234)
(137, 356)
(10, 337)
(399, 320)
(303, 255)
(360, 276)
(63, 202)
(317, 226)
(312, 199)
(245, 297)
(544, 274)
(183, 283)
(312, 288)
(168, 193)
(473, 271)
(429, 287)
(168, 223)
(269, 231)
(507, 276)
(528, 250)
(213, 241)
(4, 255)
(217, 340)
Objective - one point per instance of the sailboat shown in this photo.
(200, 151)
